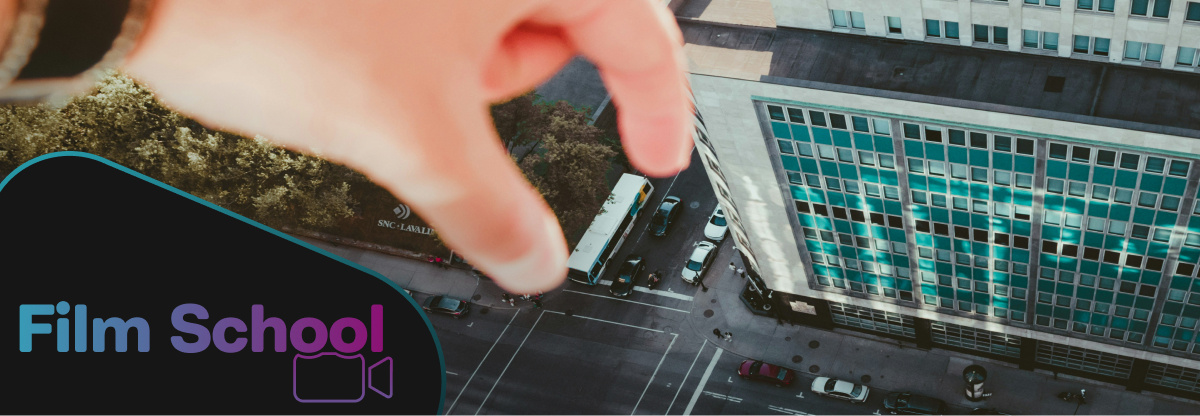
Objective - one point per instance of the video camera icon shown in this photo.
(330, 377)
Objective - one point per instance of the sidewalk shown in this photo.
(887, 364)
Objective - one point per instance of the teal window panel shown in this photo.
(814, 246)
(1002, 225)
(1002, 161)
(780, 130)
(848, 252)
(1023, 198)
(979, 158)
(1089, 267)
(1120, 323)
(875, 204)
(1119, 212)
(958, 155)
(1000, 278)
(1021, 228)
(829, 168)
(809, 166)
(1050, 233)
(960, 188)
(863, 142)
(1024, 164)
(888, 177)
(790, 163)
(1075, 205)
(912, 131)
(821, 136)
(837, 199)
(1000, 301)
(913, 148)
(1100, 320)
(1062, 313)
(963, 295)
(945, 268)
(942, 243)
(1102, 175)
(1045, 310)
(1110, 270)
(1143, 216)
(946, 292)
(879, 232)
(837, 272)
(1085, 293)
(1079, 172)
(1021, 282)
(982, 298)
(1184, 335)
(940, 214)
(1001, 194)
(926, 265)
(785, 146)
(979, 191)
(1189, 255)
(854, 201)
(925, 240)
(1143, 302)
(1113, 242)
(1172, 308)
(1065, 289)
(842, 138)
(1045, 286)
(937, 185)
(1130, 274)
(884, 144)
(1049, 260)
(895, 234)
(905, 284)
(1137, 326)
(920, 212)
(1165, 219)
(1021, 256)
(801, 133)
(807, 221)
(1067, 263)
(1056, 169)
(960, 218)
(849, 171)
(1152, 183)
(869, 175)
(1001, 252)
(824, 223)
(1191, 311)
(980, 249)
(899, 260)
(1070, 236)
(1053, 202)
(799, 193)
(841, 226)
(929, 290)
(1104, 296)
(963, 272)
(1174, 186)
(1097, 209)
(1151, 278)
(1081, 316)
(816, 196)
(860, 229)
(981, 275)
(980, 221)
(870, 279)
(887, 281)
(1194, 224)
(934, 151)
(893, 207)
(1126, 179)
(1164, 331)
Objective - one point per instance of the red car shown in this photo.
(758, 370)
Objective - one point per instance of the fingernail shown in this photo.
(542, 268)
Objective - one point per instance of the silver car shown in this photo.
(698, 262)
(838, 389)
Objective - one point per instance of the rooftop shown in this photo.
(1100, 93)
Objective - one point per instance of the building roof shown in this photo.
(1115, 95)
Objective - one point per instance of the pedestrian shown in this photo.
(741, 272)
(537, 303)
(731, 266)
(728, 337)
(507, 299)
(717, 332)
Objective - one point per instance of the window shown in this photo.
(845, 19)
(1193, 11)
(1186, 56)
(937, 29)
(991, 34)
(1104, 5)
(1157, 8)
(894, 24)
(1143, 51)
(1090, 45)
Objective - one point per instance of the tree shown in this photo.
(571, 177)
(510, 117)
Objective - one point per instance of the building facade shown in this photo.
(1026, 208)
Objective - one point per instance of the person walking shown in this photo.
(508, 299)
(728, 337)
(731, 266)
(741, 272)
(537, 303)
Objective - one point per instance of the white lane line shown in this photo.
(664, 195)
(510, 360)
(724, 397)
(663, 293)
(610, 322)
(787, 411)
(485, 356)
(455, 374)
(652, 375)
(630, 301)
(685, 377)
(703, 381)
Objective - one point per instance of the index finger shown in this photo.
(637, 47)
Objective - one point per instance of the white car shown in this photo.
(717, 225)
(698, 262)
(838, 389)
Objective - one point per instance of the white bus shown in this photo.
(604, 237)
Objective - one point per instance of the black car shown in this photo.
(913, 404)
(627, 276)
(447, 305)
(668, 212)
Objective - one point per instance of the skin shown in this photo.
(400, 91)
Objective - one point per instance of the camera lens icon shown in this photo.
(330, 377)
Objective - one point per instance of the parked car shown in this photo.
(698, 262)
(668, 211)
(627, 275)
(913, 404)
(717, 225)
(840, 389)
(447, 305)
(761, 371)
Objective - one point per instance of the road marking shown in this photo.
(652, 375)
(625, 300)
(664, 196)
(703, 381)
(685, 377)
(876, 412)
(730, 379)
(510, 360)
(787, 411)
(800, 396)
(724, 397)
(485, 356)
(470, 324)
(664, 293)
(614, 323)
(452, 373)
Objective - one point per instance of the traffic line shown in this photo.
(626, 300)
(614, 323)
(723, 397)
(452, 373)
(786, 411)
(660, 362)
(485, 356)
(703, 381)
(663, 293)
(510, 360)
(685, 377)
